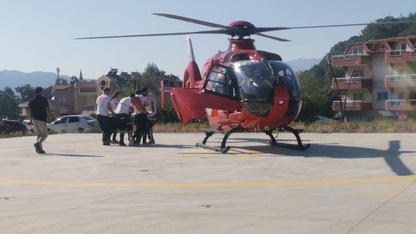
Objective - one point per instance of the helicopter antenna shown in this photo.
(190, 49)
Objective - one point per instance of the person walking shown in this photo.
(104, 109)
(39, 114)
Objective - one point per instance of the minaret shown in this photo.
(80, 75)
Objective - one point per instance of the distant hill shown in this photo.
(303, 64)
(13, 79)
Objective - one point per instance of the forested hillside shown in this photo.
(316, 81)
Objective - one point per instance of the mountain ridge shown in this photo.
(14, 78)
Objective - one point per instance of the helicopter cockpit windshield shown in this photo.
(255, 81)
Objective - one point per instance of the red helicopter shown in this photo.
(240, 89)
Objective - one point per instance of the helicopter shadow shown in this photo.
(391, 155)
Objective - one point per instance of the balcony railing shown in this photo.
(355, 105)
(349, 60)
(356, 82)
(400, 105)
(400, 56)
(408, 80)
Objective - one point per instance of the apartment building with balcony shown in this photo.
(380, 79)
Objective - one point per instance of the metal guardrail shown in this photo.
(400, 78)
(350, 80)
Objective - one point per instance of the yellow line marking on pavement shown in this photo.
(208, 184)
(245, 153)
(239, 153)
(198, 153)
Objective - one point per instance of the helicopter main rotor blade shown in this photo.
(157, 34)
(241, 32)
(268, 29)
(230, 30)
(201, 22)
(272, 37)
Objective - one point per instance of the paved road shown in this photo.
(344, 183)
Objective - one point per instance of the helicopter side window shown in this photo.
(287, 77)
(220, 81)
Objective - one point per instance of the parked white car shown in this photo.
(29, 126)
(74, 123)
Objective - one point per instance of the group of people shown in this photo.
(117, 113)
(114, 115)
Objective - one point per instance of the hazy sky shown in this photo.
(39, 35)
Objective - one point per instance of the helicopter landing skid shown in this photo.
(299, 146)
(223, 149)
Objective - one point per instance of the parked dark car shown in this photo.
(12, 126)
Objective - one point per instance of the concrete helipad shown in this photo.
(344, 183)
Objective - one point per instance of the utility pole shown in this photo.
(57, 71)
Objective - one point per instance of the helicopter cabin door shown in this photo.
(221, 92)
(221, 81)
(220, 88)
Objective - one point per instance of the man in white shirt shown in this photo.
(123, 119)
(103, 115)
(124, 107)
(150, 100)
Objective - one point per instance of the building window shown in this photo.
(359, 73)
(358, 96)
(403, 46)
(381, 47)
(103, 84)
(357, 50)
(382, 96)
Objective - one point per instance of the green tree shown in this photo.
(61, 81)
(74, 80)
(47, 92)
(9, 104)
(315, 101)
(152, 70)
(26, 92)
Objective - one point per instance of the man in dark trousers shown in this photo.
(104, 109)
(40, 114)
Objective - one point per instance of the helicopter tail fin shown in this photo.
(190, 49)
(192, 73)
